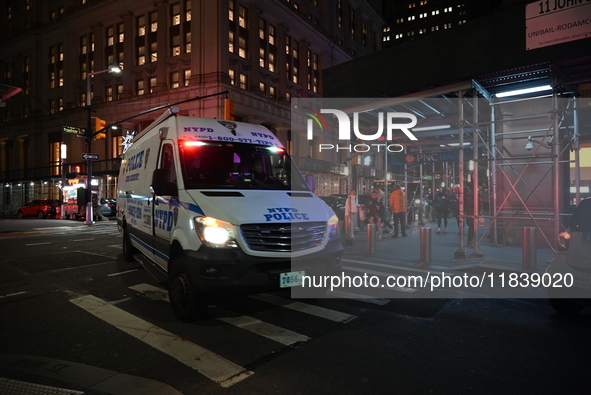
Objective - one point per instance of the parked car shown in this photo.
(40, 208)
(572, 264)
(108, 207)
(337, 204)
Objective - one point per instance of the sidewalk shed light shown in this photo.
(518, 92)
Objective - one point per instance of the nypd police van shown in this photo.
(213, 207)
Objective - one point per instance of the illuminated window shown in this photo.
(176, 14)
(141, 55)
(175, 45)
(120, 33)
(262, 30)
(174, 80)
(188, 42)
(139, 87)
(153, 52)
(242, 16)
(242, 47)
(153, 22)
(110, 36)
(188, 10)
(271, 62)
(141, 26)
(271, 35)
(262, 57)
(83, 45)
(243, 81)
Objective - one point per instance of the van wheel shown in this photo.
(187, 303)
(128, 249)
(566, 306)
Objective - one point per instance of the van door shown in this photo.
(164, 207)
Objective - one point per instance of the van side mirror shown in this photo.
(161, 186)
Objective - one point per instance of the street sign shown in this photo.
(90, 156)
(80, 132)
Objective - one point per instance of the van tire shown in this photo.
(128, 249)
(187, 303)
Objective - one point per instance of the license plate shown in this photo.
(291, 279)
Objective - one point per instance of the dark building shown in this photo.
(263, 52)
(407, 20)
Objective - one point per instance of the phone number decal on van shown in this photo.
(234, 140)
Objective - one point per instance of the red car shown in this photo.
(40, 209)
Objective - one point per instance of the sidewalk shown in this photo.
(444, 249)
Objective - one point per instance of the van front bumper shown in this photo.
(223, 272)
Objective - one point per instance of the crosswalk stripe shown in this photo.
(358, 297)
(196, 357)
(317, 311)
(154, 293)
(261, 328)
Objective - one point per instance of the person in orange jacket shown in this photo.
(397, 203)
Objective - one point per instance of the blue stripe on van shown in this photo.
(160, 200)
(184, 205)
(149, 248)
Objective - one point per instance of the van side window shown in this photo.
(167, 163)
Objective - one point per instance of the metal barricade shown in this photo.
(425, 244)
(371, 239)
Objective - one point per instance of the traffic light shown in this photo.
(99, 124)
(228, 110)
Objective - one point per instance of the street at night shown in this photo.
(264, 343)
(300, 197)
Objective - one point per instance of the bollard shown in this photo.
(371, 239)
(425, 244)
(530, 258)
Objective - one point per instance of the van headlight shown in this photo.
(215, 233)
(333, 228)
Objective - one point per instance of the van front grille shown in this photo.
(287, 237)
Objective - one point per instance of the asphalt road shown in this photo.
(74, 315)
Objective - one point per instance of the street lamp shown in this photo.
(112, 69)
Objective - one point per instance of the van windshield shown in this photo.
(213, 165)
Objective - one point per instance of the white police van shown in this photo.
(213, 207)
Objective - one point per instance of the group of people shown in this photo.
(375, 210)
(444, 203)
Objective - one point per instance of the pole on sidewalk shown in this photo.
(425, 245)
(530, 257)
(371, 239)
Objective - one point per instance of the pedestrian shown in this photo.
(397, 202)
(382, 199)
(351, 213)
(454, 204)
(375, 212)
(441, 209)
(469, 211)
